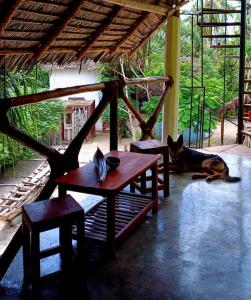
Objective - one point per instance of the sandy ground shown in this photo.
(230, 134)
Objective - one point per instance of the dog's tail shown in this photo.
(228, 178)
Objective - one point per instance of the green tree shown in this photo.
(38, 120)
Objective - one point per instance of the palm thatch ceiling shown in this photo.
(64, 31)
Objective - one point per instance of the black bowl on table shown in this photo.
(112, 162)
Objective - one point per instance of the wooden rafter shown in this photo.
(100, 30)
(140, 5)
(146, 38)
(9, 12)
(144, 16)
(56, 30)
(50, 3)
(134, 28)
(16, 51)
(171, 12)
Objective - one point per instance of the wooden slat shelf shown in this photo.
(130, 209)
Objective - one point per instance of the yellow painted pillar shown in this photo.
(172, 67)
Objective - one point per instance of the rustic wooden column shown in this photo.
(172, 68)
(114, 119)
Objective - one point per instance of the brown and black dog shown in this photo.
(209, 166)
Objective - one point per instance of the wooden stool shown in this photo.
(45, 215)
(153, 147)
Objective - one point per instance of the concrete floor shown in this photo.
(198, 246)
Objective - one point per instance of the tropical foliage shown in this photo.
(209, 77)
(39, 120)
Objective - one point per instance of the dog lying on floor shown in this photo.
(209, 166)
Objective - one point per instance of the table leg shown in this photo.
(80, 240)
(111, 224)
(61, 191)
(143, 183)
(65, 233)
(35, 264)
(154, 170)
(26, 254)
(166, 172)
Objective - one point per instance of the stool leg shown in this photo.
(143, 183)
(155, 187)
(111, 231)
(166, 172)
(132, 188)
(65, 233)
(35, 263)
(26, 254)
(80, 240)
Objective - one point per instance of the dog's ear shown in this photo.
(169, 141)
(180, 141)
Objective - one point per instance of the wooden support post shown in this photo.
(114, 123)
(71, 153)
(147, 126)
(142, 6)
(28, 141)
(172, 67)
(152, 120)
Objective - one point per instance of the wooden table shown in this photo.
(119, 212)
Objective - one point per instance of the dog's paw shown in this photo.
(196, 176)
(209, 179)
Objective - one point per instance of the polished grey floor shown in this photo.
(198, 246)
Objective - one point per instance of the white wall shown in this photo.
(61, 78)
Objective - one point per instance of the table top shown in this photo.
(85, 179)
(149, 145)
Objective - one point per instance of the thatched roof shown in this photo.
(63, 31)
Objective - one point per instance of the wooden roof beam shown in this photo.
(147, 37)
(59, 27)
(144, 16)
(8, 13)
(100, 30)
(140, 5)
(171, 12)
(16, 51)
(140, 22)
